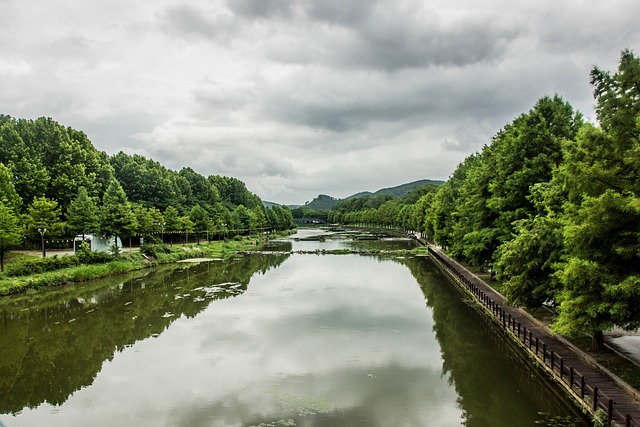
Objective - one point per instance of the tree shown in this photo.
(200, 219)
(148, 220)
(527, 263)
(82, 215)
(8, 193)
(116, 218)
(31, 177)
(146, 181)
(10, 231)
(601, 269)
(202, 193)
(171, 221)
(186, 225)
(244, 219)
(43, 213)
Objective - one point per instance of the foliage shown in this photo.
(51, 161)
(40, 265)
(601, 268)
(153, 249)
(321, 203)
(147, 182)
(10, 231)
(551, 207)
(86, 256)
(171, 219)
(8, 194)
(82, 215)
(43, 213)
(40, 159)
(66, 276)
(117, 218)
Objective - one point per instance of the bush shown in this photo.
(40, 265)
(85, 256)
(29, 266)
(153, 249)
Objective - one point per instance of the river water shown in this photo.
(267, 340)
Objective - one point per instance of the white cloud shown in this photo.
(302, 97)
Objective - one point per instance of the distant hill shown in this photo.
(269, 204)
(403, 189)
(324, 202)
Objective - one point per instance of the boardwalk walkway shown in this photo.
(591, 384)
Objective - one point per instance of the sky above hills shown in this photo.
(301, 97)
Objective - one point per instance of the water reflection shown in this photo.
(311, 239)
(318, 341)
(495, 384)
(55, 342)
(341, 340)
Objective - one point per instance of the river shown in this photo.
(271, 339)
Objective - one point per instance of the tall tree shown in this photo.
(601, 270)
(10, 231)
(82, 215)
(117, 218)
(200, 219)
(171, 221)
(31, 177)
(43, 214)
(8, 193)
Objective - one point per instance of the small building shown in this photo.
(96, 242)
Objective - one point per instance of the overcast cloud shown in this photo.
(301, 97)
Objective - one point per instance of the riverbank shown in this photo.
(599, 391)
(148, 256)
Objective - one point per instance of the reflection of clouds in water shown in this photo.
(356, 335)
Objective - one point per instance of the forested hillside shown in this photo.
(403, 194)
(551, 206)
(52, 177)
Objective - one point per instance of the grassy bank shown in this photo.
(12, 281)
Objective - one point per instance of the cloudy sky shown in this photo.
(301, 97)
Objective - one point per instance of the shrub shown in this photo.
(153, 249)
(88, 257)
(40, 265)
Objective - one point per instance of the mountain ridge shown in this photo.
(326, 202)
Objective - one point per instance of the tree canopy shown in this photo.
(551, 206)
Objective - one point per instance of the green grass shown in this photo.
(626, 370)
(122, 264)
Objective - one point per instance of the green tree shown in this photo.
(116, 218)
(147, 182)
(171, 221)
(82, 214)
(200, 219)
(10, 231)
(43, 213)
(601, 269)
(31, 177)
(186, 225)
(202, 193)
(148, 220)
(8, 193)
(244, 220)
(527, 263)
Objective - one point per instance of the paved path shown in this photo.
(626, 343)
(575, 370)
